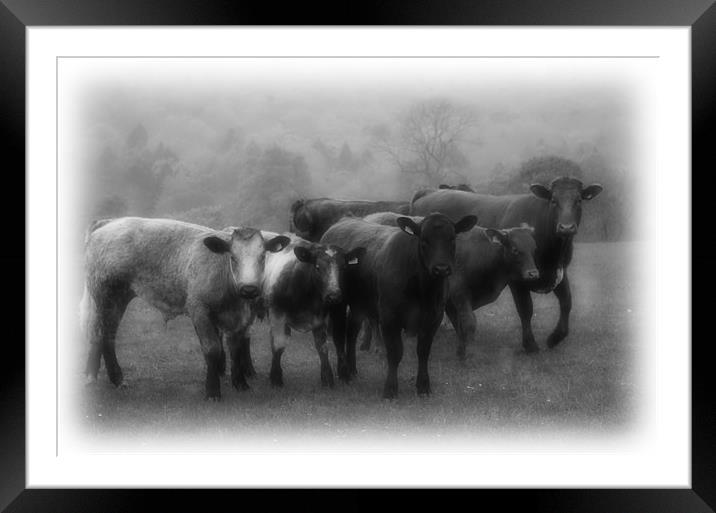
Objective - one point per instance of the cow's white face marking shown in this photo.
(331, 252)
(249, 255)
(332, 284)
(275, 264)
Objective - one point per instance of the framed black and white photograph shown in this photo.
(419, 256)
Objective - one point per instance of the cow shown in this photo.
(554, 211)
(301, 283)
(400, 283)
(179, 269)
(310, 218)
(460, 187)
(486, 260)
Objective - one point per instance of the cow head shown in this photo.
(518, 246)
(301, 222)
(565, 197)
(329, 262)
(247, 250)
(436, 234)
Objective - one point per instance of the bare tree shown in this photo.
(426, 144)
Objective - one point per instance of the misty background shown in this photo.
(240, 154)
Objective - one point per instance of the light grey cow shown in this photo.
(180, 269)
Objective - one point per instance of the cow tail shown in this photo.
(88, 311)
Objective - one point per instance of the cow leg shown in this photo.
(394, 353)
(116, 311)
(101, 321)
(338, 314)
(367, 336)
(460, 313)
(319, 340)
(212, 349)
(352, 329)
(564, 295)
(523, 302)
(425, 341)
(236, 342)
(247, 363)
(279, 341)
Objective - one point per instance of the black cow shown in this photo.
(180, 269)
(486, 260)
(401, 282)
(554, 212)
(310, 218)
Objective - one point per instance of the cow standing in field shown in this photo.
(486, 260)
(554, 212)
(178, 268)
(310, 218)
(400, 283)
(301, 283)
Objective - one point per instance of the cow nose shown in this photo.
(333, 298)
(532, 274)
(567, 228)
(249, 291)
(442, 270)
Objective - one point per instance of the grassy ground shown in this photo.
(586, 383)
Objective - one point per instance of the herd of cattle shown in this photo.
(387, 267)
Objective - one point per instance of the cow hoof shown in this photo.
(327, 379)
(90, 379)
(423, 386)
(354, 372)
(461, 354)
(117, 379)
(213, 398)
(276, 380)
(390, 391)
(240, 385)
(531, 348)
(555, 338)
(249, 372)
(344, 374)
(122, 386)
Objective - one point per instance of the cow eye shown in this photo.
(514, 251)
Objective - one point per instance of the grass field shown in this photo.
(586, 383)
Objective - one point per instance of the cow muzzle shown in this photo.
(567, 229)
(532, 274)
(248, 291)
(441, 270)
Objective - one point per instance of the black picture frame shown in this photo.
(16, 15)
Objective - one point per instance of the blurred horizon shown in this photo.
(240, 150)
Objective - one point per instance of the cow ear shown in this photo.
(591, 191)
(408, 226)
(465, 224)
(540, 191)
(277, 243)
(216, 244)
(496, 236)
(355, 255)
(303, 254)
